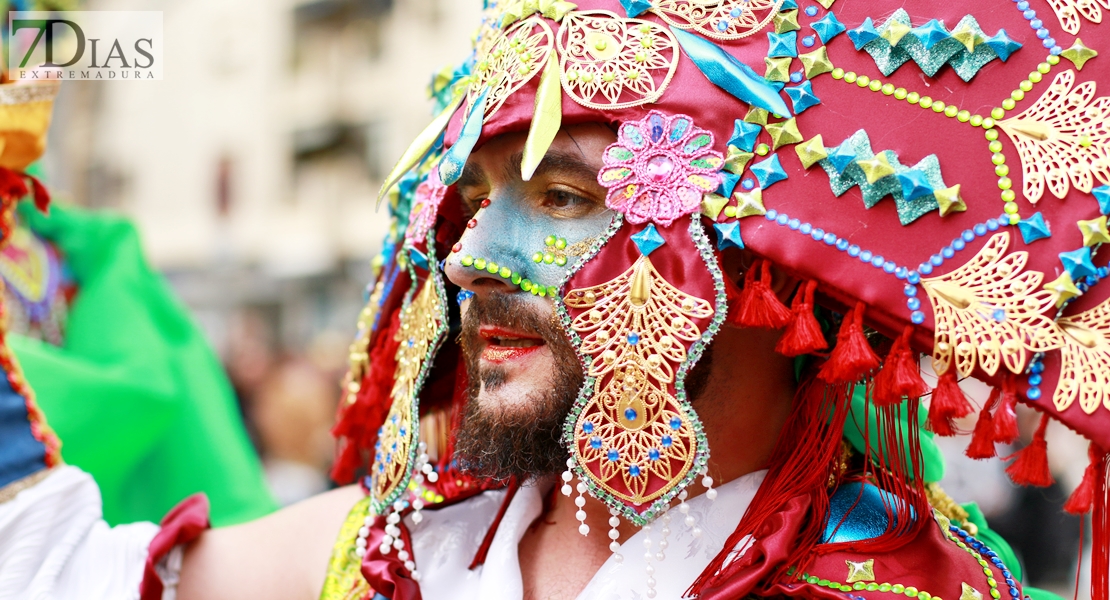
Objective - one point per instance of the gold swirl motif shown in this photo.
(990, 312)
(636, 328)
(609, 62)
(421, 323)
(1062, 139)
(1085, 360)
(1068, 11)
(358, 355)
(704, 16)
(507, 60)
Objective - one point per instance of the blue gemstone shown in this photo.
(842, 244)
(771, 214)
(968, 235)
(722, 25)
(634, 470)
(676, 423)
(653, 454)
(747, 184)
(913, 278)
(853, 250)
(917, 317)
(877, 262)
(830, 238)
(937, 260)
(666, 441)
(1037, 24)
(613, 455)
(865, 256)
(806, 228)
(794, 224)
(947, 252)
(992, 225)
(998, 315)
(901, 272)
(889, 267)
(630, 414)
(958, 244)
(595, 443)
(797, 77)
(633, 338)
(817, 234)
(910, 291)
(1038, 367)
(1034, 393)
(808, 41)
(735, 13)
(782, 220)
(811, 11)
(925, 268)
(1042, 33)
(1035, 380)
(913, 304)
(588, 427)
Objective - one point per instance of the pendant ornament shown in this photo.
(718, 19)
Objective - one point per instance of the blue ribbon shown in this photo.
(730, 74)
(451, 167)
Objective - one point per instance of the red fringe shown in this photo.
(852, 358)
(357, 425)
(803, 334)
(1083, 498)
(1005, 418)
(1100, 524)
(1031, 464)
(759, 306)
(42, 196)
(12, 186)
(901, 374)
(948, 403)
(982, 441)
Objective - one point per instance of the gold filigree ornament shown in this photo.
(507, 60)
(990, 312)
(1063, 139)
(609, 62)
(1068, 12)
(718, 19)
(422, 329)
(1085, 360)
(634, 439)
(358, 355)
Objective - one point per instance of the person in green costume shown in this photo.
(134, 390)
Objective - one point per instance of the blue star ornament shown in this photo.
(1078, 263)
(728, 184)
(728, 235)
(802, 96)
(1002, 44)
(782, 44)
(635, 8)
(864, 34)
(648, 240)
(769, 172)
(931, 33)
(842, 156)
(915, 184)
(1102, 194)
(828, 27)
(1034, 228)
(744, 135)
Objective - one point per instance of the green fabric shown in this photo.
(137, 396)
(854, 426)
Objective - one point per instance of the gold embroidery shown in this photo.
(1068, 11)
(1085, 359)
(633, 437)
(507, 60)
(421, 324)
(989, 311)
(741, 17)
(1062, 138)
(344, 579)
(609, 62)
(358, 356)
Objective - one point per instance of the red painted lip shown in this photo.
(495, 352)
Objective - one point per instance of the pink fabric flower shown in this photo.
(659, 168)
(425, 206)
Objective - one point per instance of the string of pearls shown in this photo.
(648, 555)
(614, 535)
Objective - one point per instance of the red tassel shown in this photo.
(1083, 498)
(759, 306)
(1005, 418)
(41, 194)
(12, 186)
(735, 297)
(982, 441)
(1031, 465)
(803, 334)
(948, 403)
(901, 374)
(852, 358)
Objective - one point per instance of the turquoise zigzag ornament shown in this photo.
(966, 48)
(912, 188)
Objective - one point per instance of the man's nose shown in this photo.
(482, 273)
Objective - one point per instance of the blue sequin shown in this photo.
(910, 291)
(947, 252)
(901, 272)
(613, 455)
(666, 441)
(1035, 380)
(675, 423)
(817, 234)
(747, 184)
(853, 250)
(1038, 367)
(842, 244)
(925, 268)
(811, 11)
(808, 41)
(992, 224)
(913, 278)
(913, 304)
(936, 260)
(653, 454)
(917, 317)
(595, 443)
(782, 219)
(771, 215)
(806, 228)
(794, 224)
(830, 238)
(865, 256)
(1034, 393)
(958, 244)
(634, 470)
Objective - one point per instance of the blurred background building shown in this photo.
(252, 171)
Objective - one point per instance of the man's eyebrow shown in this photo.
(555, 161)
(472, 176)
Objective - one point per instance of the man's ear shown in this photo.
(735, 262)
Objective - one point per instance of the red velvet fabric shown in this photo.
(182, 525)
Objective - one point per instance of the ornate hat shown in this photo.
(941, 177)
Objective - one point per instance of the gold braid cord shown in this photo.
(1085, 360)
(1068, 11)
(420, 325)
(609, 62)
(508, 60)
(741, 18)
(990, 311)
(358, 356)
(1062, 139)
(633, 437)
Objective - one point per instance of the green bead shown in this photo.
(1025, 86)
(1008, 104)
(551, 291)
(951, 111)
(897, 588)
(516, 279)
(1044, 68)
(548, 258)
(976, 120)
(900, 93)
(887, 89)
(911, 592)
(875, 85)
(858, 586)
(1053, 59)
(823, 582)
(924, 596)
(537, 257)
(549, 240)
(1002, 170)
(963, 116)
(561, 243)
(526, 285)
(998, 159)
(995, 146)
(913, 97)
(837, 73)
(542, 292)
(762, 149)
(505, 272)
(1017, 95)
(991, 135)
(467, 261)
(925, 102)
(561, 261)
(884, 587)
(1010, 208)
(1015, 219)
(998, 113)
(1008, 196)
(492, 267)
(863, 80)
(1035, 77)
(479, 263)
(812, 580)
(988, 123)
(995, 594)
(871, 587)
(991, 581)
(1005, 183)
(850, 77)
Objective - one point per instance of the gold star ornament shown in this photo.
(1064, 288)
(522, 9)
(816, 62)
(748, 204)
(784, 133)
(861, 571)
(949, 200)
(812, 151)
(876, 168)
(1079, 54)
(778, 69)
(712, 205)
(736, 159)
(969, 593)
(786, 20)
(1094, 231)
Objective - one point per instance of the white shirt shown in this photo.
(447, 539)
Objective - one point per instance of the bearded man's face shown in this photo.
(523, 372)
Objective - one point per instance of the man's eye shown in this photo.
(564, 199)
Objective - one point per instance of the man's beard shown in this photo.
(523, 440)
